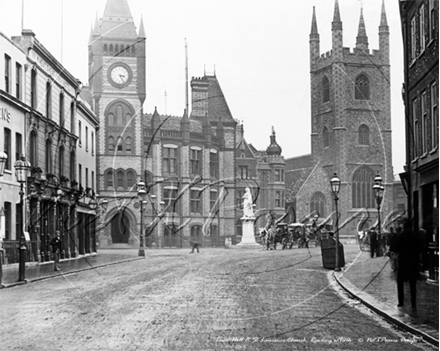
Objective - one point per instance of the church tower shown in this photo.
(117, 85)
(351, 119)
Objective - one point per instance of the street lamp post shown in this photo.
(22, 168)
(141, 194)
(378, 193)
(335, 183)
(3, 158)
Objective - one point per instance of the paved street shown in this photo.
(216, 300)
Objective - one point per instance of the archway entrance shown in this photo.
(120, 228)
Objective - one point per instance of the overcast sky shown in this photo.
(259, 50)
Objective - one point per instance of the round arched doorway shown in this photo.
(120, 228)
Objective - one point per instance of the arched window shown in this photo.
(362, 188)
(130, 179)
(325, 90)
(128, 144)
(105, 49)
(119, 144)
(364, 135)
(111, 144)
(62, 109)
(133, 50)
(33, 155)
(362, 88)
(48, 155)
(109, 179)
(72, 166)
(326, 137)
(34, 88)
(119, 116)
(127, 118)
(120, 175)
(61, 161)
(111, 119)
(116, 50)
(48, 100)
(318, 204)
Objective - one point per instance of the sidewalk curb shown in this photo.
(380, 308)
(5, 286)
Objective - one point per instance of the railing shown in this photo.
(11, 251)
(433, 262)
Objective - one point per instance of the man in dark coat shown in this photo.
(408, 248)
(56, 249)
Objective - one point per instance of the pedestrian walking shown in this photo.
(56, 249)
(195, 246)
(408, 248)
(392, 250)
(373, 243)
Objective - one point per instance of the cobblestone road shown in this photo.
(215, 300)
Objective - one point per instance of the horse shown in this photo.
(269, 236)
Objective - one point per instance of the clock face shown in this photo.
(120, 75)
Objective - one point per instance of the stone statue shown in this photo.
(248, 204)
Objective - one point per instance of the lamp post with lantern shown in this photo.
(378, 194)
(141, 193)
(335, 183)
(22, 168)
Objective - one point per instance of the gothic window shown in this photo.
(325, 90)
(111, 144)
(116, 50)
(119, 116)
(48, 156)
(111, 119)
(128, 144)
(362, 88)
(120, 175)
(364, 135)
(109, 179)
(169, 160)
(127, 119)
(105, 49)
(195, 202)
(243, 172)
(110, 50)
(362, 188)
(318, 204)
(130, 179)
(119, 144)
(326, 137)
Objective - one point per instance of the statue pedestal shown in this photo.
(248, 238)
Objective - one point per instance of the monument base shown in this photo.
(248, 238)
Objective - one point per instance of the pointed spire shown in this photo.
(383, 19)
(314, 29)
(336, 14)
(362, 39)
(141, 29)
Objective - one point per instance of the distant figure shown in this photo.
(195, 246)
(247, 203)
(408, 248)
(373, 243)
(56, 249)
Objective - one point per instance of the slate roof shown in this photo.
(117, 21)
(173, 123)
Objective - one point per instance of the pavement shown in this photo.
(370, 280)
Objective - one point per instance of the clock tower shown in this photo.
(117, 85)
